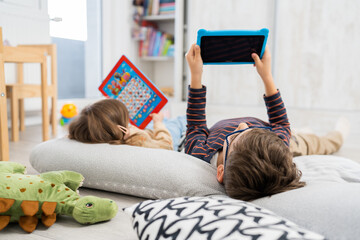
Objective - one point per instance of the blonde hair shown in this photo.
(98, 123)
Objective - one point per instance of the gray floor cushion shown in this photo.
(142, 172)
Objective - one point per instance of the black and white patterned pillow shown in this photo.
(215, 217)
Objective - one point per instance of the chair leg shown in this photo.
(53, 116)
(44, 101)
(20, 79)
(22, 115)
(14, 115)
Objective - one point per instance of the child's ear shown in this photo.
(220, 173)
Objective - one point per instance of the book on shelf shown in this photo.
(139, 30)
(158, 7)
(167, 8)
(155, 43)
(155, 7)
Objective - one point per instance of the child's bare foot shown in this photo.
(343, 126)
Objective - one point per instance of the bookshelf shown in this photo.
(160, 17)
(157, 58)
(167, 71)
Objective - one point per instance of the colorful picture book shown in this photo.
(128, 84)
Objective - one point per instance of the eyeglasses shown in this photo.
(233, 137)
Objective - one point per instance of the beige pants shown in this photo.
(310, 144)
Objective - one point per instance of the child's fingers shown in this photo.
(191, 52)
(197, 51)
(256, 58)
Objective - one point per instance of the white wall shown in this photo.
(93, 47)
(231, 84)
(317, 54)
(25, 22)
(315, 48)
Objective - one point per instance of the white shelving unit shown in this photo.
(160, 18)
(157, 59)
(167, 72)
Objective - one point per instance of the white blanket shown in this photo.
(328, 168)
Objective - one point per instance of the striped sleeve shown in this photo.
(195, 112)
(278, 117)
(197, 131)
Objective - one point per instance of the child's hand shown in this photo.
(157, 117)
(193, 58)
(263, 67)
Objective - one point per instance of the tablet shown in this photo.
(138, 93)
(231, 46)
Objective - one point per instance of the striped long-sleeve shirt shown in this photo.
(204, 143)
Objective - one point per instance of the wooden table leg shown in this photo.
(44, 100)
(4, 138)
(54, 120)
(14, 115)
(20, 77)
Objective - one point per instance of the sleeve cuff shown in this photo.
(197, 90)
(272, 97)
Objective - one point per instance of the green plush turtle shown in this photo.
(25, 198)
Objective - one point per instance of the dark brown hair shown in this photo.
(98, 123)
(260, 165)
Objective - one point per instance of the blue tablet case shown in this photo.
(231, 46)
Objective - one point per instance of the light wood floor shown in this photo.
(32, 136)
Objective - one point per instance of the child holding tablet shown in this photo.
(107, 121)
(253, 157)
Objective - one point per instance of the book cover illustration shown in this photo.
(128, 84)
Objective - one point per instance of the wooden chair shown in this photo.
(16, 92)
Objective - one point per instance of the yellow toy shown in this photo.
(68, 111)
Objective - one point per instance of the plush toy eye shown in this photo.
(89, 205)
